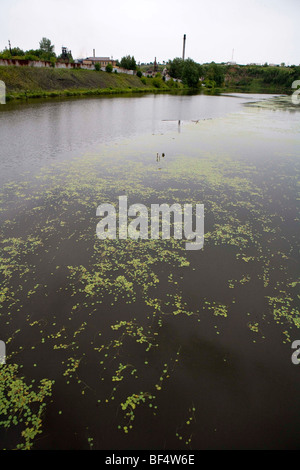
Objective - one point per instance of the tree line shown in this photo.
(189, 72)
(225, 75)
(45, 52)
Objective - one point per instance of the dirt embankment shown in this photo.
(35, 82)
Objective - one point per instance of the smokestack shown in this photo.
(94, 53)
(183, 53)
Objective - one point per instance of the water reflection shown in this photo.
(34, 134)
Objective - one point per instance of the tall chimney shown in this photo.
(94, 53)
(183, 53)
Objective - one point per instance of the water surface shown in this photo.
(144, 344)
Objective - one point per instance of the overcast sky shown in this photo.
(257, 30)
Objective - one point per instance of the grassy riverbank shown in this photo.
(30, 82)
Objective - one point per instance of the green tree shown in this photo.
(109, 68)
(128, 62)
(215, 73)
(5, 54)
(17, 52)
(175, 67)
(46, 46)
(33, 54)
(190, 73)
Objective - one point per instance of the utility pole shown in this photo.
(184, 40)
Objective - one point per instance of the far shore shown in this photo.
(28, 83)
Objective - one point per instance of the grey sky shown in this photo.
(258, 30)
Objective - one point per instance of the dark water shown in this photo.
(151, 346)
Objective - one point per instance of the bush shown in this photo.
(31, 57)
(109, 68)
(157, 82)
(139, 74)
(97, 67)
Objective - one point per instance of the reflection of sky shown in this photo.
(32, 136)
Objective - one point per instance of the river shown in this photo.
(146, 345)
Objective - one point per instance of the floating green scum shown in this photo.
(108, 330)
